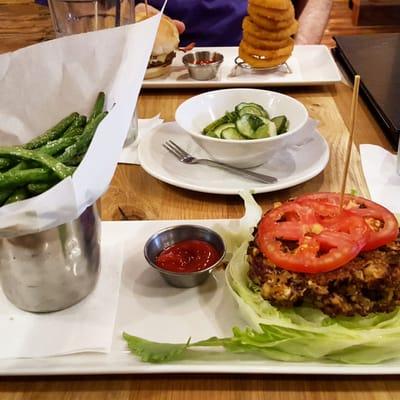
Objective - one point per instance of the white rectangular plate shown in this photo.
(309, 65)
(148, 307)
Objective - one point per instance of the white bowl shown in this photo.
(197, 112)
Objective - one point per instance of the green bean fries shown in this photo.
(36, 166)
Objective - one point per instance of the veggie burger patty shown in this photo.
(369, 283)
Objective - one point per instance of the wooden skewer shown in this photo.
(96, 16)
(350, 141)
(146, 7)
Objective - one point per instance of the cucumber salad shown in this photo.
(247, 121)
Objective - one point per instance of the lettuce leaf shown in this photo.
(240, 231)
(307, 332)
(154, 352)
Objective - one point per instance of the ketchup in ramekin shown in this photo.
(204, 62)
(185, 255)
(188, 256)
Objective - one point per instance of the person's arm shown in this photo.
(312, 21)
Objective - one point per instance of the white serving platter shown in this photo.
(153, 310)
(308, 65)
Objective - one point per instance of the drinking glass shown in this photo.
(79, 16)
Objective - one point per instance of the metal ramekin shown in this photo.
(174, 234)
(203, 72)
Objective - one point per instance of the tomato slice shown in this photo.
(292, 237)
(354, 225)
(382, 225)
(331, 219)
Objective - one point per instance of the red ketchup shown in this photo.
(188, 256)
(204, 62)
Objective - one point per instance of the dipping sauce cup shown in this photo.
(203, 65)
(187, 243)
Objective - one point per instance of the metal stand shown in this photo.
(240, 63)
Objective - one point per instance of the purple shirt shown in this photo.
(208, 22)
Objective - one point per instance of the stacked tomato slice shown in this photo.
(312, 234)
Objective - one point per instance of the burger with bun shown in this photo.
(165, 45)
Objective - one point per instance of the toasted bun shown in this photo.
(167, 38)
(155, 72)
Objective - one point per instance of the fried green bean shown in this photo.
(21, 165)
(75, 161)
(12, 180)
(55, 146)
(52, 133)
(98, 106)
(4, 195)
(5, 163)
(76, 127)
(61, 170)
(50, 148)
(70, 126)
(36, 166)
(38, 188)
(83, 141)
(18, 195)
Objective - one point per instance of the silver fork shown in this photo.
(187, 158)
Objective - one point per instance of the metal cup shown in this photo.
(53, 269)
(203, 65)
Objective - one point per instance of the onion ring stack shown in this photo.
(267, 32)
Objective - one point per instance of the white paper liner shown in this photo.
(41, 84)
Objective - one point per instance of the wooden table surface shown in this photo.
(142, 197)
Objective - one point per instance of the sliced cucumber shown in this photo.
(247, 124)
(281, 123)
(266, 130)
(231, 133)
(212, 134)
(218, 130)
(250, 110)
(243, 126)
(272, 129)
(231, 116)
(266, 121)
(213, 125)
(262, 132)
(239, 106)
(247, 121)
(261, 109)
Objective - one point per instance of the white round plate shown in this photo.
(300, 161)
